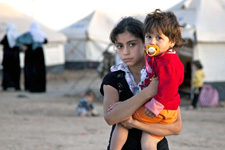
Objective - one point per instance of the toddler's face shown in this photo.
(159, 39)
(90, 98)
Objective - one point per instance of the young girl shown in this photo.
(162, 31)
(120, 89)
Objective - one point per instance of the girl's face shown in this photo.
(130, 49)
(159, 39)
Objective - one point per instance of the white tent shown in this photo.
(205, 29)
(89, 37)
(54, 50)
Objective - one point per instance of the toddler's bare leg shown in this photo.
(119, 137)
(148, 142)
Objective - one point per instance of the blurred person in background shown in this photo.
(197, 82)
(11, 59)
(34, 65)
(85, 105)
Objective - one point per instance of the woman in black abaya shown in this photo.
(34, 70)
(11, 59)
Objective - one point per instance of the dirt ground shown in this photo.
(47, 121)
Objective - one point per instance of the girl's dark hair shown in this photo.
(165, 22)
(198, 64)
(130, 24)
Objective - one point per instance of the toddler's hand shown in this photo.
(149, 113)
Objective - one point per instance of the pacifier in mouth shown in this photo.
(152, 50)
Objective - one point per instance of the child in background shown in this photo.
(85, 105)
(197, 82)
(162, 30)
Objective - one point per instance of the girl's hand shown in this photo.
(149, 113)
(128, 123)
(112, 106)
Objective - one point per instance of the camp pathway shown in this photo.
(47, 121)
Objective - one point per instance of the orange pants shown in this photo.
(165, 116)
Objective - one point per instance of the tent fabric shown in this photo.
(205, 26)
(94, 26)
(210, 21)
(54, 50)
(205, 16)
(9, 14)
(88, 38)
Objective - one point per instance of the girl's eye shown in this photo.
(132, 44)
(158, 38)
(119, 46)
(148, 36)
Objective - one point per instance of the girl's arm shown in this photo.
(157, 129)
(123, 110)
